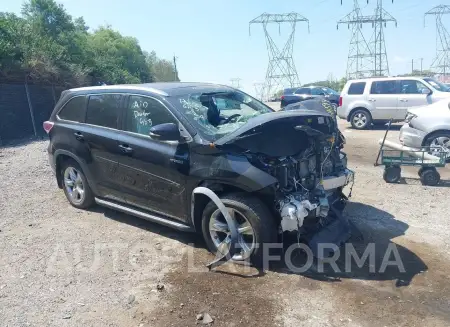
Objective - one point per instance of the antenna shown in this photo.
(441, 63)
(281, 71)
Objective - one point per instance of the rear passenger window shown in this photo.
(384, 87)
(74, 109)
(144, 112)
(357, 88)
(104, 110)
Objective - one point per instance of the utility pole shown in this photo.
(175, 68)
(281, 71)
(360, 57)
(235, 82)
(441, 64)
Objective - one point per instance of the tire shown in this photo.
(361, 119)
(75, 185)
(439, 138)
(258, 217)
(392, 174)
(430, 177)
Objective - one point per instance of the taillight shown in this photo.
(340, 101)
(48, 125)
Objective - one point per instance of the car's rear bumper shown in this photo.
(411, 137)
(340, 111)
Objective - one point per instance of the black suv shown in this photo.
(149, 150)
(294, 95)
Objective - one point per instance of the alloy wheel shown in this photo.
(440, 144)
(360, 120)
(73, 184)
(221, 236)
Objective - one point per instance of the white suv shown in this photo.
(377, 100)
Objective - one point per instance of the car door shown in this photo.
(413, 93)
(155, 171)
(384, 98)
(99, 135)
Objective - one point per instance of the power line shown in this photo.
(281, 71)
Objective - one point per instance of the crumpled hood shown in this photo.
(279, 133)
(439, 108)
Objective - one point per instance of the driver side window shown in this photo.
(143, 113)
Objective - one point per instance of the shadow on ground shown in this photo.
(370, 254)
(372, 232)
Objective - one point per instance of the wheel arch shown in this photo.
(199, 201)
(358, 108)
(60, 157)
(429, 135)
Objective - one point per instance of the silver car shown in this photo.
(377, 100)
(428, 126)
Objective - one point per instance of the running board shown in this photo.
(144, 215)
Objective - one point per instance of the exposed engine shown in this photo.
(309, 182)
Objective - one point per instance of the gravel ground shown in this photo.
(67, 267)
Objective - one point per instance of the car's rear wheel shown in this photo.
(361, 119)
(253, 220)
(75, 185)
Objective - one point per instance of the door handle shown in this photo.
(79, 136)
(403, 100)
(125, 149)
(372, 100)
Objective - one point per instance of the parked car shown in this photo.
(428, 126)
(293, 95)
(377, 100)
(145, 149)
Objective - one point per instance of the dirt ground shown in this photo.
(66, 267)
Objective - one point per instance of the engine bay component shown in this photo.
(293, 212)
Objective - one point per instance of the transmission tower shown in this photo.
(360, 61)
(236, 82)
(281, 71)
(441, 64)
(259, 90)
(377, 45)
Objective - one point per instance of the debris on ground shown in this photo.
(160, 287)
(204, 318)
(131, 299)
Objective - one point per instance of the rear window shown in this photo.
(74, 109)
(303, 90)
(357, 88)
(104, 110)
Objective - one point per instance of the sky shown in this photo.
(211, 39)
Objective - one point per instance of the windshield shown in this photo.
(437, 85)
(216, 114)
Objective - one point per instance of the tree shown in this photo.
(47, 45)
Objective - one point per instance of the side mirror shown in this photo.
(426, 91)
(165, 132)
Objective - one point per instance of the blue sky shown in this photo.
(211, 37)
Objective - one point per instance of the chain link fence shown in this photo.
(23, 109)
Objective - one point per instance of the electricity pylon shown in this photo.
(377, 44)
(281, 71)
(360, 61)
(259, 91)
(441, 64)
(236, 82)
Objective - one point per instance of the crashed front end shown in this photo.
(302, 150)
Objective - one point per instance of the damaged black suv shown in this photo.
(166, 152)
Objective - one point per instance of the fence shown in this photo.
(23, 109)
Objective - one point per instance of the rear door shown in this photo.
(384, 97)
(156, 171)
(413, 93)
(99, 135)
